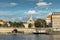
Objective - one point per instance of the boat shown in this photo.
(40, 31)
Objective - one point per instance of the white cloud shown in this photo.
(31, 12)
(56, 10)
(41, 11)
(14, 4)
(50, 3)
(33, 0)
(50, 13)
(8, 4)
(7, 14)
(43, 4)
(37, 12)
(15, 19)
(47, 8)
(38, 17)
(41, 0)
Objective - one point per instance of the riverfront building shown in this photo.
(49, 20)
(2, 22)
(53, 20)
(29, 23)
(56, 20)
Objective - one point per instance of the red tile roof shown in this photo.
(49, 16)
(2, 21)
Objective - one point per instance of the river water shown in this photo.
(29, 37)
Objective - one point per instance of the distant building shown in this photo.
(29, 23)
(56, 20)
(2, 22)
(53, 20)
(49, 21)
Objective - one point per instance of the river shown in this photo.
(29, 37)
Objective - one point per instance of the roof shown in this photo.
(2, 21)
(56, 13)
(49, 16)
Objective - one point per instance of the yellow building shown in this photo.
(2, 22)
(56, 20)
(49, 20)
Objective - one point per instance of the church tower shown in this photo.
(31, 22)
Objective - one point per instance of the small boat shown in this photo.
(40, 32)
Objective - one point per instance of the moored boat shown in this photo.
(47, 31)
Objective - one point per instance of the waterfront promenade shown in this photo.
(4, 36)
(10, 29)
(26, 30)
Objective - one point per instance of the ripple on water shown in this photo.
(29, 37)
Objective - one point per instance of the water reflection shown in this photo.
(29, 37)
(56, 37)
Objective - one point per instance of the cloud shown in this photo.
(43, 4)
(42, 11)
(15, 19)
(31, 12)
(33, 0)
(13, 4)
(7, 14)
(50, 3)
(47, 8)
(8, 4)
(40, 0)
(50, 13)
(38, 17)
(56, 10)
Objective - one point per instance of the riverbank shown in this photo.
(9, 30)
(5, 30)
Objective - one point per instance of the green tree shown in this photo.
(0, 25)
(30, 25)
(10, 23)
(40, 23)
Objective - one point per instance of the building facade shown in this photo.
(2, 22)
(56, 20)
(49, 21)
(30, 23)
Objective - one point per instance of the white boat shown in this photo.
(36, 31)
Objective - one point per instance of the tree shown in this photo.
(0, 25)
(30, 25)
(16, 24)
(40, 23)
(10, 23)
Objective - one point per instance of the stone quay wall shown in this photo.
(25, 30)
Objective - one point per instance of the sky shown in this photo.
(20, 10)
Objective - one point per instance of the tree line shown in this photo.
(38, 23)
